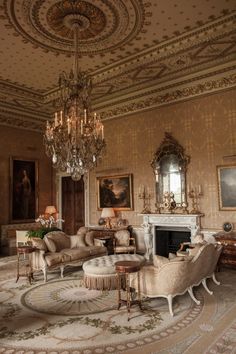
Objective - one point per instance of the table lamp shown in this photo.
(50, 209)
(107, 214)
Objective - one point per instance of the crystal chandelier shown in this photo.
(75, 139)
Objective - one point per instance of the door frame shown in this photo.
(59, 176)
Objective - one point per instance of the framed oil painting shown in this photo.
(115, 192)
(227, 187)
(23, 190)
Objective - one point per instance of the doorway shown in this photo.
(72, 204)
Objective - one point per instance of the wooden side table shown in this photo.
(124, 269)
(23, 260)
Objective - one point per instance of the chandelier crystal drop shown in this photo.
(74, 140)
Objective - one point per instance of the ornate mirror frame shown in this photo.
(170, 161)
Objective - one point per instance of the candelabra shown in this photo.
(145, 194)
(195, 195)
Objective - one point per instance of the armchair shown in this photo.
(123, 242)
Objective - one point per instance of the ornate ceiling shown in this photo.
(141, 53)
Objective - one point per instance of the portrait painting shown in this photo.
(24, 190)
(115, 192)
(227, 187)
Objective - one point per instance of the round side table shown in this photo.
(123, 270)
(23, 260)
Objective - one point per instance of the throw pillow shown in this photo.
(171, 255)
(77, 241)
(98, 243)
(198, 238)
(89, 238)
(50, 244)
(158, 261)
(39, 243)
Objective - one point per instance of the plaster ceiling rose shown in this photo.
(104, 25)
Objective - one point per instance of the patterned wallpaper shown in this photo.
(204, 126)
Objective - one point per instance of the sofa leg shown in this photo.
(206, 287)
(169, 298)
(215, 280)
(62, 270)
(190, 291)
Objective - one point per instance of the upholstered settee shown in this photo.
(58, 250)
(171, 277)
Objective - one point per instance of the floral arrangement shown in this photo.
(48, 221)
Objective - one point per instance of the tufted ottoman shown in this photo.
(100, 273)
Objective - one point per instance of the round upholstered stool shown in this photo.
(100, 273)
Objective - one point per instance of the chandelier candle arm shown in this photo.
(74, 140)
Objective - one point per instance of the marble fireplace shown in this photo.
(164, 232)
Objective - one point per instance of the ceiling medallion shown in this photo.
(104, 25)
(62, 15)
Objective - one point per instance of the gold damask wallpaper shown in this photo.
(204, 126)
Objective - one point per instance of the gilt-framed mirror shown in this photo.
(170, 165)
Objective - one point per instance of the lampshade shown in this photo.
(108, 213)
(50, 209)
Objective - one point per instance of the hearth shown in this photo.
(175, 228)
(168, 239)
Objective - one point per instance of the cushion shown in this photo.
(177, 259)
(89, 238)
(60, 239)
(98, 242)
(39, 243)
(77, 253)
(172, 255)
(122, 238)
(50, 244)
(77, 241)
(158, 261)
(82, 230)
(53, 258)
(96, 250)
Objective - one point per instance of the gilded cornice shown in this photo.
(170, 96)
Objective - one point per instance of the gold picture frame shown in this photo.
(226, 178)
(115, 192)
(23, 190)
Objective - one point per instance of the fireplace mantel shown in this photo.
(150, 221)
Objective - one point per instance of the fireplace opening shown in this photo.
(168, 239)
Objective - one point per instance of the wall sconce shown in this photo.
(107, 214)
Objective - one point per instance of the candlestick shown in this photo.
(195, 194)
(144, 193)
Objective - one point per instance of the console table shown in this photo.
(228, 254)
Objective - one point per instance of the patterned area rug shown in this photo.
(62, 316)
(68, 297)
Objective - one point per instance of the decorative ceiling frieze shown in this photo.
(141, 54)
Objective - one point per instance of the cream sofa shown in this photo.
(58, 250)
(171, 277)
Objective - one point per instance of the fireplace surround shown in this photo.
(186, 224)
